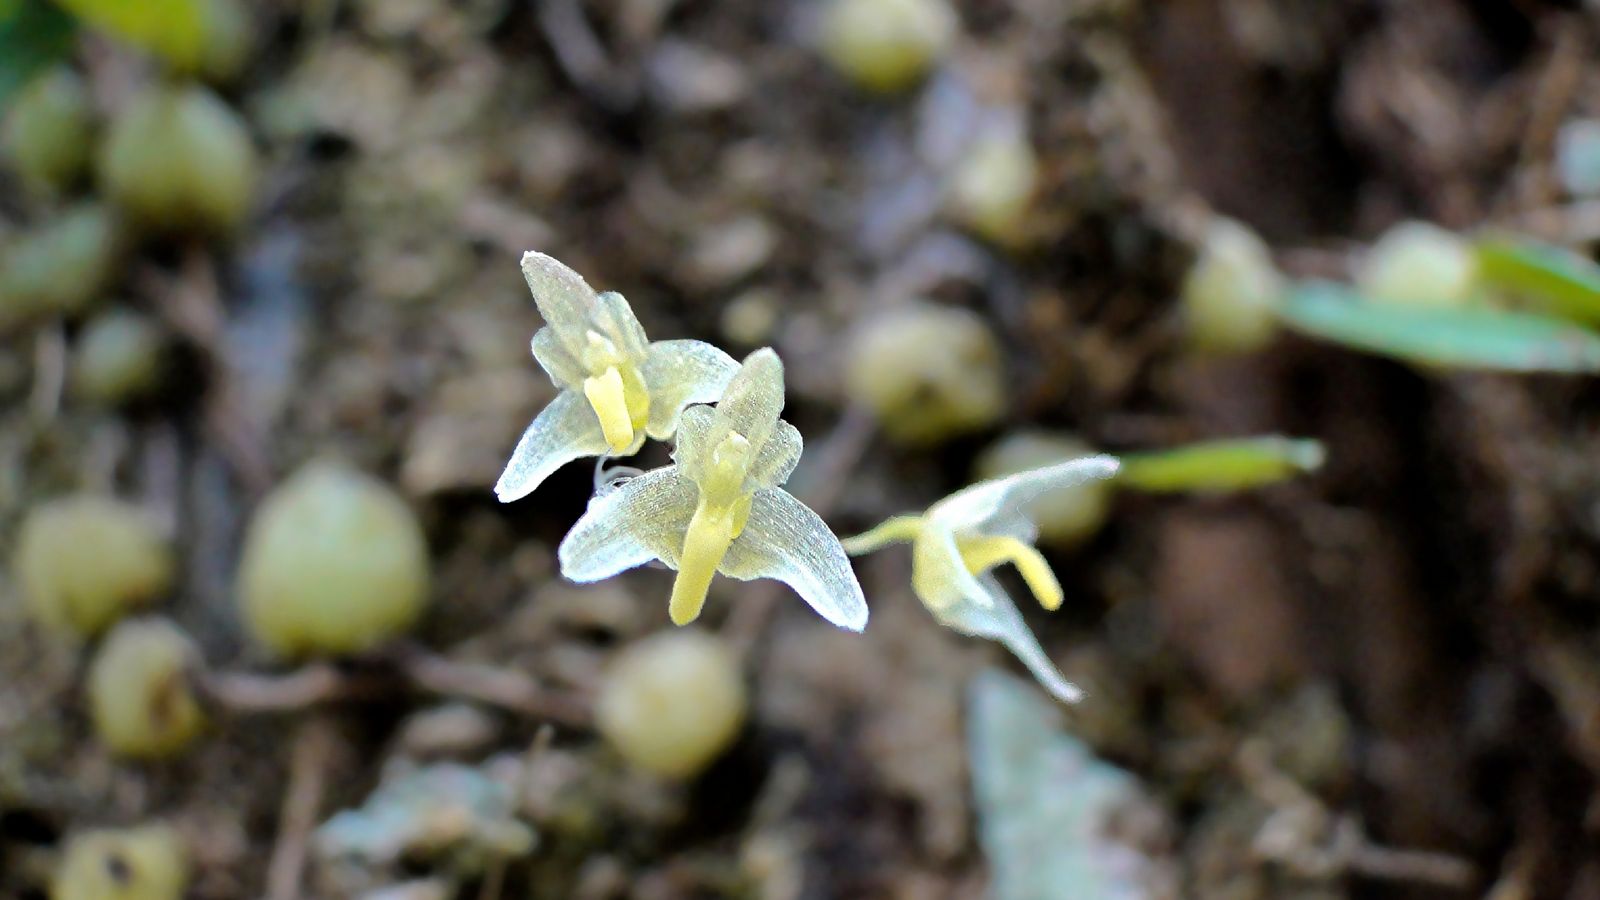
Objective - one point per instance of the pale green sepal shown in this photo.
(562, 432)
(1001, 621)
(681, 373)
(785, 541)
(642, 519)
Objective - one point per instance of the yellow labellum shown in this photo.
(717, 521)
(981, 554)
(710, 533)
(610, 404)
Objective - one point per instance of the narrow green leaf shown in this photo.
(171, 29)
(1471, 338)
(1566, 284)
(33, 36)
(1226, 465)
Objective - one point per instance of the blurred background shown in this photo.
(266, 632)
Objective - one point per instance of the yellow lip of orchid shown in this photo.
(617, 386)
(959, 541)
(719, 509)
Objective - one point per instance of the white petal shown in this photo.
(563, 297)
(680, 373)
(641, 520)
(1000, 621)
(556, 360)
(566, 430)
(786, 541)
(775, 461)
(972, 507)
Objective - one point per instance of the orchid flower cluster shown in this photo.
(720, 507)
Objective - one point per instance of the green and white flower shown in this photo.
(958, 542)
(617, 386)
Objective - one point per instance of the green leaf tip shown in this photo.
(1222, 465)
(172, 29)
(1554, 278)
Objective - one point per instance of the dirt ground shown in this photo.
(1382, 680)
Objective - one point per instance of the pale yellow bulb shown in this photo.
(49, 131)
(118, 358)
(148, 862)
(1231, 294)
(86, 561)
(180, 159)
(1418, 264)
(59, 268)
(887, 46)
(334, 562)
(928, 373)
(992, 187)
(140, 696)
(671, 704)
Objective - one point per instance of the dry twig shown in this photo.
(1304, 835)
(308, 776)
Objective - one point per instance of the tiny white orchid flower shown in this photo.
(718, 508)
(616, 385)
(960, 539)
